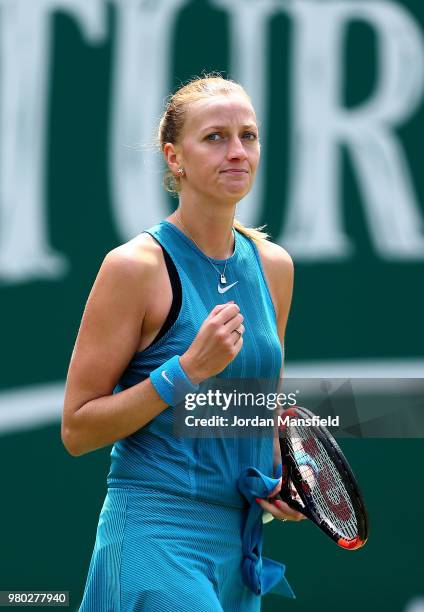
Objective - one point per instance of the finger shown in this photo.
(218, 309)
(232, 325)
(226, 314)
(237, 334)
(235, 323)
(286, 509)
(281, 510)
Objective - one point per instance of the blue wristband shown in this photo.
(171, 382)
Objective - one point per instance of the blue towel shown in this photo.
(261, 575)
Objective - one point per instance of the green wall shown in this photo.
(365, 307)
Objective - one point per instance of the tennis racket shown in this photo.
(318, 481)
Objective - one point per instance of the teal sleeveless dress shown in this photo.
(170, 530)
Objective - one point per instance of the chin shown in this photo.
(230, 192)
(237, 193)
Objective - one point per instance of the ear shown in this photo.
(172, 157)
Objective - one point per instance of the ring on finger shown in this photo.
(238, 332)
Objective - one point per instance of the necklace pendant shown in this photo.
(223, 280)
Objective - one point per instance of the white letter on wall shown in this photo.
(141, 83)
(25, 252)
(313, 227)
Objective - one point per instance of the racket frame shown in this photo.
(291, 473)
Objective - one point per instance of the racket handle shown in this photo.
(267, 517)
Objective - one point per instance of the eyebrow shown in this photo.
(248, 126)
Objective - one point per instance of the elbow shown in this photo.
(70, 442)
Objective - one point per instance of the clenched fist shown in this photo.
(218, 341)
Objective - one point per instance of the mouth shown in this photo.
(234, 171)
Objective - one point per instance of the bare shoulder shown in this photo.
(274, 258)
(120, 293)
(140, 255)
(130, 268)
(278, 269)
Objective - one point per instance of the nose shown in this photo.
(236, 149)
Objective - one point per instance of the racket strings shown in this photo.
(324, 483)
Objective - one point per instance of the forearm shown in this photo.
(104, 420)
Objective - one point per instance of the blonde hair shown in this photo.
(172, 123)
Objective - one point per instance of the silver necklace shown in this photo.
(222, 277)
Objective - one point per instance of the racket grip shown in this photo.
(267, 517)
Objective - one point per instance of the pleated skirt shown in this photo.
(156, 552)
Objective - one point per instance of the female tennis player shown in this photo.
(195, 296)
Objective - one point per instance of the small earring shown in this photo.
(181, 172)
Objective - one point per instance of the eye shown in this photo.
(213, 137)
(250, 136)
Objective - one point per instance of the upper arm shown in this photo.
(109, 332)
(285, 271)
(279, 272)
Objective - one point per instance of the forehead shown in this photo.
(232, 109)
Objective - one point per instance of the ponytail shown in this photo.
(255, 233)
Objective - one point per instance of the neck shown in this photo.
(210, 229)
